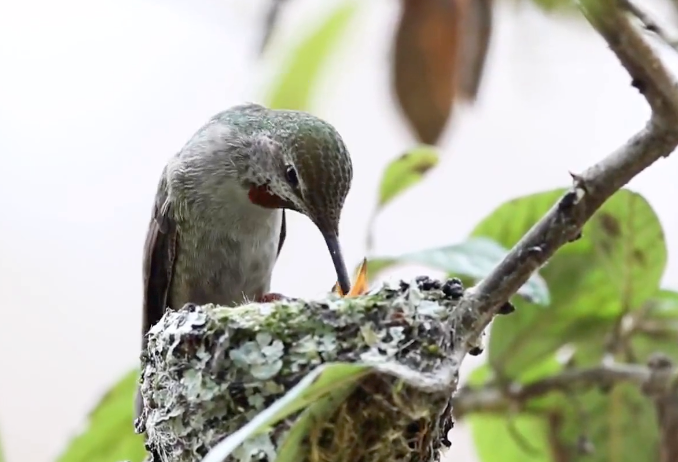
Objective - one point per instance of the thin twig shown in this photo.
(270, 22)
(658, 380)
(494, 398)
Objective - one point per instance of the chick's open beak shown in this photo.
(338, 260)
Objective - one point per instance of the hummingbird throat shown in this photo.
(263, 197)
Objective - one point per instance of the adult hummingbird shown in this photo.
(218, 220)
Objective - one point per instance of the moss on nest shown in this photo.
(208, 370)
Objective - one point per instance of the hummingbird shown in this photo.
(218, 221)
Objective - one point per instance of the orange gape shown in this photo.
(359, 286)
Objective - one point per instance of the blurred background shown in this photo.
(95, 96)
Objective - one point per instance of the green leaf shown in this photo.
(616, 265)
(2, 457)
(109, 436)
(550, 366)
(406, 171)
(480, 376)
(294, 85)
(509, 222)
(563, 7)
(629, 247)
(474, 258)
(508, 437)
(557, 5)
(621, 424)
(664, 305)
(522, 438)
(659, 328)
(316, 392)
(484, 375)
(530, 335)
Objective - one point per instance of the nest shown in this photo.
(209, 370)
(382, 421)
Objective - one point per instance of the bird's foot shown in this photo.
(272, 297)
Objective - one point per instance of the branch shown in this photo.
(663, 388)
(591, 188)
(658, 380)
(649, 23)
(494, 398)
(270, 22)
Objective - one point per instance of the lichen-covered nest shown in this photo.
(208, 370)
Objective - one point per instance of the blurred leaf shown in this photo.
(616, 265)
(440, 53)
(484, 375)
(509, 222)
(295, 84)
(533, 333)
(477, 31)
(664, 305)
(522, 438)
(553, 6)
(659, 328)
(401, 174)
(621, 425)
(271, 21)
(480, 376)
(317, 391)
(406, 171)
(539, 371)
(2, 457)
(500, 438)
(474, 258)
(109, 436)
(546, 402)
(425, 71)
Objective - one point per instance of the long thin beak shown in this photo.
(338, 260)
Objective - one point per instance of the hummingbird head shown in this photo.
(304, 166)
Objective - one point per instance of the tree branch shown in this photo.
(563, 224)
(658, 380)
(591, 188)
(494, 398)
(663, 388)
(270, 22)
(649, 23)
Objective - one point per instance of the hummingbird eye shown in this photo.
(291, 176)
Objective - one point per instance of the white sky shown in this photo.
(95, 96)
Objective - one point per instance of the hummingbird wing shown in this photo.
(158, 266)
(283, 232)
(159, 253)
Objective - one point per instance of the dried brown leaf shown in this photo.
(427, 45)
(475, 44)
(439, 57)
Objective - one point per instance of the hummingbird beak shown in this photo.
(335, 250)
